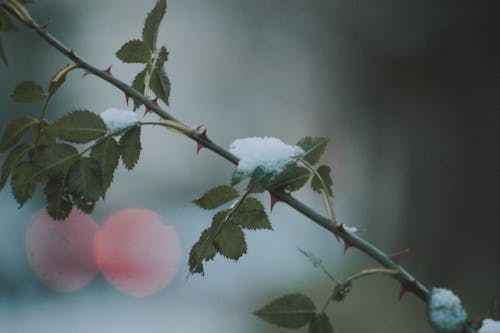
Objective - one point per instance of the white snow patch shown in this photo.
(269, 153)
(350, 229)
(116, 119)
(490, 326)
(445, 311)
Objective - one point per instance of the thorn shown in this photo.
(155, 100)
(203, 134)
(85, 73)
(147, 111)
(346, 246)
(72, 53)
(396, 257)
(108, 70)
(127, 97)
(274, 200)
(45, 26)
(402, 292)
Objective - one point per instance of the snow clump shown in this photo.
(490, 326)
(116, 119)
(445, 311)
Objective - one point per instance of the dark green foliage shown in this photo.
(139, 84)
(130, 147)
(289, 311)
(54, 159)
(237, 177)
(2, 52)
(134, 51)
(85, 180)
(324, 172)
(159, 82)
(216, 197)
(250, 214)
(320, 324)
(107, 153)
(152, 24)
(15, 130)
(79, 126)
(341, 291)
(23, 187)
(260, 180)
(58, 204)
(45, 137)
(28, 92)
(314, 147)
(229, 240)
(202, 250)
(14, 157)
(291, 179)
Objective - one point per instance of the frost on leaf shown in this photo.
(116, 119)
(445, 311)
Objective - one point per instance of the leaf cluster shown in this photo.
(145, 51)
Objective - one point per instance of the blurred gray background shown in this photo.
(408, 93)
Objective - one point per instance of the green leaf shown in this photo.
(2, 53)
(59, 78)
(159, 82)
(324, 172)
(130, 147)
(28, 92)
(216, 197)
(45, 138)
(313, 148)
(230, 241)
(58, 205)
(152, 24)
(23, 187)
(79, 126)
(260, 180)
(134, 51)
(320, 324)
(203, 249)
(14, 157)
(85, 179)
(289, 311)
(107, 153)
(250, 214)
(15, 130)
(54, 159)
(86, 206)
(139, 84)
(237, 177)
(291, 179)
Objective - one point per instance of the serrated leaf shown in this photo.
(14, 157)
(23, 187)
(107, 153)
(260, 180)
(85, 180)
(130, 147)
(27, 92)
(59, 78)
(289, 311)
(202, 250)
(291, 179)
(2, 53)
(134, 51)
(54, 159)
(230, 241)
(316, 184)
(45, 137)
(80, 126)
(250, 214)
(320, 324)
(313, 147)
(159, 82)
(15, 130)
(217, 196)
(85, 205)
(152, 24)
(237, 177)
(139, 84)
(58, 205)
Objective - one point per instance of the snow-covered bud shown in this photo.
(445, 311)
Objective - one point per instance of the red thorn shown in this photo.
(85, 73)
(108, 70)
(274, 200)
(72, 53)
(127, 97)
(396, 257)
(346, 246)
(45, 26)
(402, 292)
(147, 111)
(199, 127)
(155, 100)
(199, 145)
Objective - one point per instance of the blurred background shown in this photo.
(407, 92)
